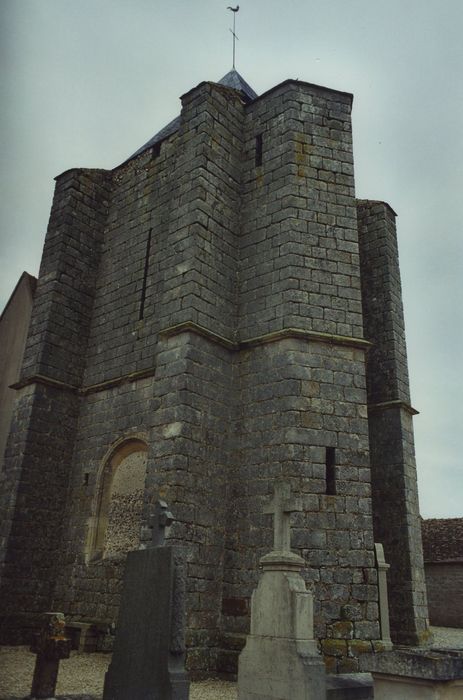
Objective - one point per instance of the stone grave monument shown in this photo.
(148, 661)
(51, 645)
(383, 568)
(280, 659)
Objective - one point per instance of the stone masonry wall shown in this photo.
(184, 196)
(121, 342)
(63, 304)
(190, 443)
(382, 303)
(299, 398)
(117, 399)
(89, 588)
(39, 451)
(204, 223)
(302, 398)
(299, 251)
(394, 486)
(37, 455)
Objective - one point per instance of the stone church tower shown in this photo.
(217, 313)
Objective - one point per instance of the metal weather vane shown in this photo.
(234, 10)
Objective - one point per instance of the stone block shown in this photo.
(341, 630)
(415, 673)
(334, 647)
(357, 647)
(351, 612)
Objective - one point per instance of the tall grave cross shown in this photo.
(281, 507)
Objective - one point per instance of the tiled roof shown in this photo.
(442, 539)
(232, 79)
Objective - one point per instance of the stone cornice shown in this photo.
(274, 336)
(191, 327)
(46, 381)
(117, 381)
(91, 388)
(302, 334)
(386, 405)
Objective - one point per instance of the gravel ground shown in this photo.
(84, 673)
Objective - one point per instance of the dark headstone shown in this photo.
(148, 661)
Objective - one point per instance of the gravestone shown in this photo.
(383, 568)
(280, 659)
(51, 645)
(148, 661)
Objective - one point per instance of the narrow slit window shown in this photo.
(330, 471)
(259, 150)
(145, 276)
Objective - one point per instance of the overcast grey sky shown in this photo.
(86, 82)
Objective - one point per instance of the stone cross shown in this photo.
(161, 518)
(281, 507)
(50, 645)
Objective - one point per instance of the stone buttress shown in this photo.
(38, 456)
(397, 522)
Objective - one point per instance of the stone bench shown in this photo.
(88, 636)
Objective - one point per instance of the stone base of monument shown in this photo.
(416, 674)
(350, 686)
(279, 668)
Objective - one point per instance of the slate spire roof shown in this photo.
(232, 80)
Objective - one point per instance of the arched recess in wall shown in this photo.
(115, 526)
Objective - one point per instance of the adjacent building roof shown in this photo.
(232, 80)
(25, 280)
(442, 539)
